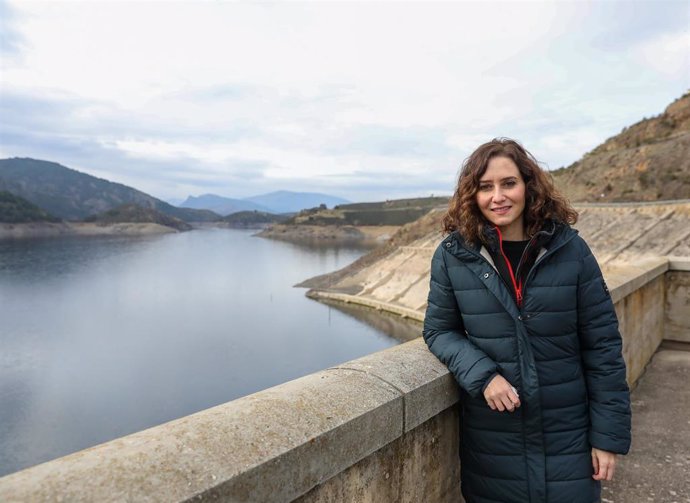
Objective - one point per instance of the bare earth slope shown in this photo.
(647, 161)
(396, 276)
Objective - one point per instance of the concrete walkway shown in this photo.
(657, 469)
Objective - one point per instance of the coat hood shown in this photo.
(552, 235)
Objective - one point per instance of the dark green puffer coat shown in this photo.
(561, 349)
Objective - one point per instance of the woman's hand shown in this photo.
(604, 463)
(500, 395)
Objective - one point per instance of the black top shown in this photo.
(513, 250)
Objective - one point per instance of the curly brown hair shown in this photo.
(542, 200)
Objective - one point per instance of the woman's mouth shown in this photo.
(502, 210)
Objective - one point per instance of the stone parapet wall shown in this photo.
(422, 465)
(272, 446)
(641, 323)
(677, 320)
(380, 428)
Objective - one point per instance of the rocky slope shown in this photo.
(647, 161)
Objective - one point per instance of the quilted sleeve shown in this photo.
(604, 367)
(444, 333)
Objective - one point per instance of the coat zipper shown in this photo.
(520, 262)
(522, 257)
(517, 288)
(534, 266)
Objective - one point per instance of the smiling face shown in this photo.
(501, 197)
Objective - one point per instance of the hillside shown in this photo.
(395, 276)
(396, 212)
(72, 195)
(361, 222)
(221, 205)
(420, 229)
(252, 219)
(131, 213)
(647, 161)
(15, 209)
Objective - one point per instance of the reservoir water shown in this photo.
(102, 337)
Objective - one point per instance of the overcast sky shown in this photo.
(363, 100)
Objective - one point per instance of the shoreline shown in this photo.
(59, 229)
(227, 225)
(375, 234)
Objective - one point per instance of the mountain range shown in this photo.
(282, 201)
(647, 161)
(71, 195)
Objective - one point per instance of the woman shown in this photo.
(519, 313)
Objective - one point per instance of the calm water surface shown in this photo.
(101, 337)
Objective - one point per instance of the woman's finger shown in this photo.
(512, 394)
(609, 473)
(603, 471)
(595, 465)
(507, 403)
(604, 464)
(610, 467)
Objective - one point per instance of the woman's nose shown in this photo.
(498, 195)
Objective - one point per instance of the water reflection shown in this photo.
(106, 336)
(393, 325)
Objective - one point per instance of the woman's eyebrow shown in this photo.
(502, 179)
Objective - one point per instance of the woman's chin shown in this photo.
(501, 221)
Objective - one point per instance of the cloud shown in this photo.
(667, 54)
(616, 25)
(10, 39)
(344, 98)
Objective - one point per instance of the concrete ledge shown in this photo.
(363, 301)
(677, 303)
(425, 383)
(632, 204)
(624, 280)
(679, 263)
(267, 447)
(272, 446)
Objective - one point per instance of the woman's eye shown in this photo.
(510, 183)
(484, 188)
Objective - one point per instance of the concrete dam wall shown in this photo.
(380, 428)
